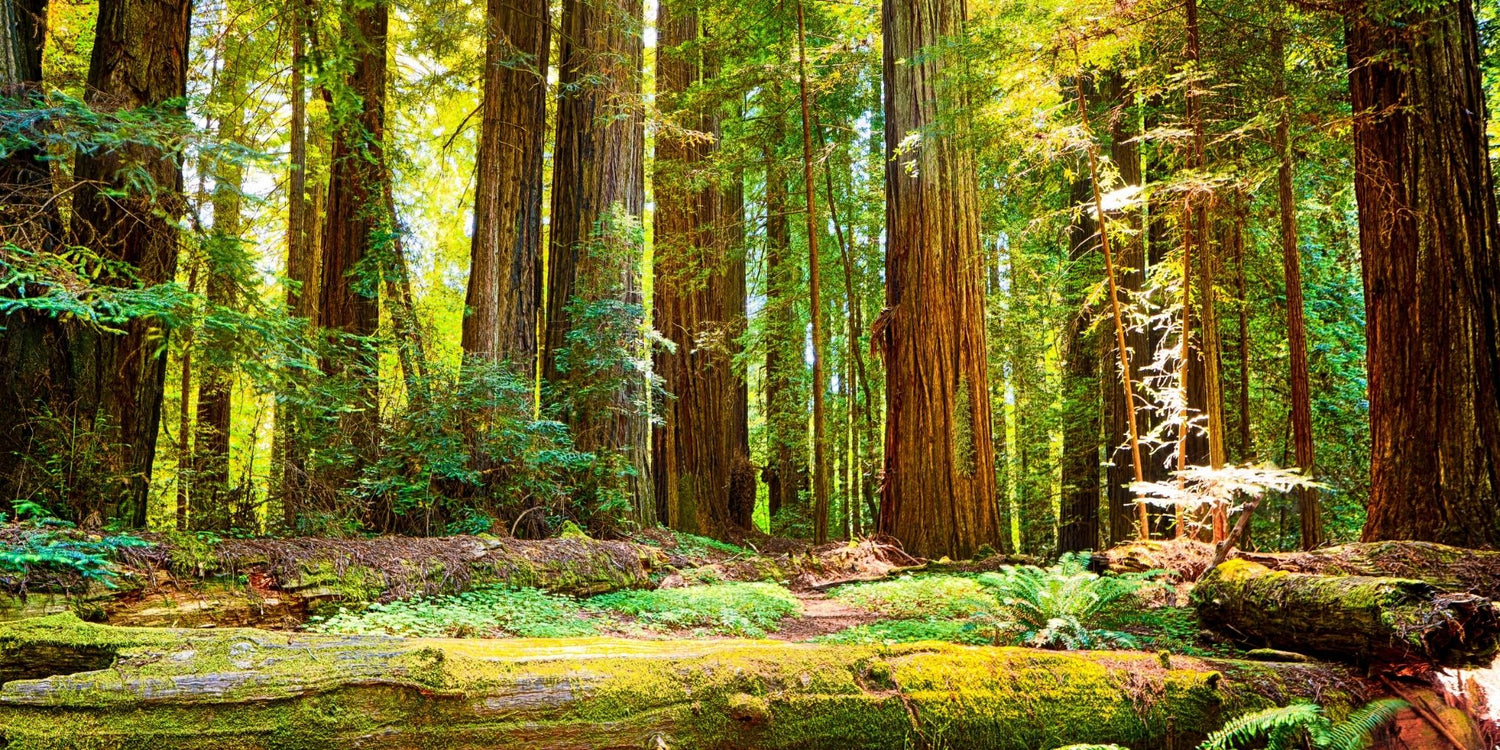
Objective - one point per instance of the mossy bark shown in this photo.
(274, 583)
(1448, 568)
(254, 689)
(1358, 618)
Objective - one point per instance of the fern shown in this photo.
(1065, 606)
(1282, 727)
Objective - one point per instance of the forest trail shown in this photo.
(821, 616)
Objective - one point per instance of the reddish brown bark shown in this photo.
(701, 449)
(1430, 250)
(505, 278)
(598, 168)
(939, 491)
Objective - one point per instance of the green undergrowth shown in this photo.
(743, 609)
(487, 612)
(913, 597)
(910, 631)
(739, 609)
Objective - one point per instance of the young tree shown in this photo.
(939, 494)
(785, 385)
(1430, 248)
(504, 296)
(598, 184)
(701, 448)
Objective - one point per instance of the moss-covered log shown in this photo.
(162, 689)
(1357, 618)
(1448, 568)
(274, 582)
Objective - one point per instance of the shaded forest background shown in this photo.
(333, 268)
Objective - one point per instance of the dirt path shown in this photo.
(821, 616)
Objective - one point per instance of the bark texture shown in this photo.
(111, 385)
(1357, 618)
(701, 449)
(505, 276)
(1430, 250)
(1078, 519)
(254, 689)
(938, 497)
(598, 184)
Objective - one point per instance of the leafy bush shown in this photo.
(743, 609)
(491, 611)
(1064, 606)
(1303, 725)
(909, 631)
(919, 597)
(48, 557)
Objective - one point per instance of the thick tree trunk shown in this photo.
(70, 683)
(786, 376)
(302, 274)
(349, 301)
(1078, 520)
(598, 182)
(701, 450)
(115, 382)
(1430, 250)
(1357, 618)
(938, 497)
(1296, 327)
(505, 277)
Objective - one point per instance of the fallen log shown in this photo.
(1364, 619)
(1448, 568)
(276, 582)
(73, 684)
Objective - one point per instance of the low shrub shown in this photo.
(742, 609)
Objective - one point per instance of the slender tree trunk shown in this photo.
(505, 278)
(301, 272)
(356, 217)
(116, 381)
(701, 449)
(1078, 520)
(820, 342)
(1247, 444)
(1296, 328)
(598, 179)
(1430, 249)
(939, 494)
(785, 386)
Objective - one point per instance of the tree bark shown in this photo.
(815, 298)
(1369, 620)
(786, 377)
(1078, 521)
(701, 449)
(1430, 250)
(938, 497)
(505, 277)
(302, 273)
(256, 689)
(116, 381)
(598, 180)
(349, 301)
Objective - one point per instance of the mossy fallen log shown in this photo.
(240, 688)
(1448, 568)
(1365, 619)
(275, 582)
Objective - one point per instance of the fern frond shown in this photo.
(1355, 732)
(1297, 716)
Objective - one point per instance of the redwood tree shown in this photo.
(598, 184)
(939, 492)
(116, 381)
(701, 448)
(1430, 248)
(505, 278)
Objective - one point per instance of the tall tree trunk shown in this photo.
(301, 271)
(1430, 249)
(1296, 328)
(598, 180)
(1125, 517)
(31, 346)
(117, 380)
(815, 297)
(505, 278)
(785, 384)
(226, 263)
(701, 449)
(939, 495)
(1078, 520)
